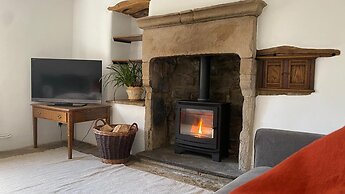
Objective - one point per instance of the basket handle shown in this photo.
(104, 122)
(134, 125)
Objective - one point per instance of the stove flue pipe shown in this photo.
(204, 78)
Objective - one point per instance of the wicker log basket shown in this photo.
(114, 147)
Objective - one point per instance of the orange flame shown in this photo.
(201, 130)
(200, 127)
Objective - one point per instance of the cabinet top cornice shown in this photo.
(290, 51)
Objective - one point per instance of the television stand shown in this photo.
(69, 116)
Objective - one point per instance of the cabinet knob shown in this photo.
(59, 116)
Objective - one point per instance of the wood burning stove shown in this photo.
(201, 125)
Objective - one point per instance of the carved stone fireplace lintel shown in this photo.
(222, 29)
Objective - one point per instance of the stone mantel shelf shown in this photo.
(217, 12)
(295, 52)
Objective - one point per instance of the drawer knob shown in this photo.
(59, 116)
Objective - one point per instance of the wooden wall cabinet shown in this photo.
(286, 75)
(288, 70)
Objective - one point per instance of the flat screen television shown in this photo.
(66, 81)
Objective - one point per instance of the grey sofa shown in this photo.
(271, 146)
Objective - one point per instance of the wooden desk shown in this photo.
(68, 116)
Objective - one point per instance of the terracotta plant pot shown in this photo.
(134, 93)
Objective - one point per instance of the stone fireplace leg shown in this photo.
(148, 105)
(247, 84)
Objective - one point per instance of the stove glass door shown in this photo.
(197, 123)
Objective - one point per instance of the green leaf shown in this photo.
(129, 74)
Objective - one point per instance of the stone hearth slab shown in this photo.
(228, 168)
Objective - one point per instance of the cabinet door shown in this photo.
(298, 74)
(273, 74)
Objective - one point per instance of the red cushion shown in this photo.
(318, 168)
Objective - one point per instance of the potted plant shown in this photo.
(126, 74)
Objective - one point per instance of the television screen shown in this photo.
(66, 80)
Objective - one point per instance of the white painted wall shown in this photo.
(93, 29)
(160, 7)
(129, 114)
(136, 47)
(35, 28)
(314, 24)
(92, 39)
(307, 23)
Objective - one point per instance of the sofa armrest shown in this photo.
(244, 178)
(273, 145)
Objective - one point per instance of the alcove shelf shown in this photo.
(288, 70)
(127, 102)
(134, 8)
(128, 39)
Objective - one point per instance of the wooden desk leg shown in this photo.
(34, 129)
(70, 128)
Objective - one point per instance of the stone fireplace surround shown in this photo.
(221, 29)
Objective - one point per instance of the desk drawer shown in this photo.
(50, 115)
(90, 114)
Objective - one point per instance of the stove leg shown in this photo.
(216, 157)
(178, 150)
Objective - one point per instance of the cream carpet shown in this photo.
(51, 172)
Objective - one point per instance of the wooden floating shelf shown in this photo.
(128, 39)
(134, 8)
(126, 61)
